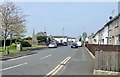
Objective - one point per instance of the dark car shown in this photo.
(65, 44)
(74, 45)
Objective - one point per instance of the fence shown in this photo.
(107, 57)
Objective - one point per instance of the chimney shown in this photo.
(110, 17)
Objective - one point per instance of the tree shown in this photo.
(28, 38)
(12, 21)
(41, 38)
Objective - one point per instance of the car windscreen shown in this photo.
(74, 44)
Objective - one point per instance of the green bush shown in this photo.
(13, 45)
(25, 44)
(41, 38)
(28, 38)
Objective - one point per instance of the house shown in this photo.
(114, 31)
(71, 39)
(90, 38)
(95, 38)
(60, 39)
(108, 34)
(105, 34)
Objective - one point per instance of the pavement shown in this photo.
(44, 62)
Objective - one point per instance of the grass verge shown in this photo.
(12, 50)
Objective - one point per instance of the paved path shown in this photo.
(81, 64)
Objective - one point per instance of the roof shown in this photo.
(109, 22)
(113, 19)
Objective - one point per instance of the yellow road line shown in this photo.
(58, 67)
(53, 70)
(58, 70)
(67, 60)
(18, 58)
(64, 60)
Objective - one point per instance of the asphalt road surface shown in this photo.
(82, 63)
(46, 60)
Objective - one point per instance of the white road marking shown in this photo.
(90, 53)
(13, 67)
(58, 67)
(45, 57)
(53, 70)
(65, 62)
(17, 58)
(58, 70)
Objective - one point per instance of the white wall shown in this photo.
(59, 39)
(72, 40)
(86, 39)
(96, 37)
(105, 34)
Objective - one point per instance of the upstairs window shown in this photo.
(110, 27)
(116, 23)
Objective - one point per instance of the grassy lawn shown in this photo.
(12, 50)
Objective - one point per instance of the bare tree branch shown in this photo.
(12, 20)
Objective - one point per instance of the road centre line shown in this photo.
(58, 67)
(62, 65)
(46, 57)
(65, 62)
(57, 70)
(53, 70)
(13, 66)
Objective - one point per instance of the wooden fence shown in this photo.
(107, 57)
(108, 61)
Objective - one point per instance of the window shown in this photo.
(116, 23)
(110, 27)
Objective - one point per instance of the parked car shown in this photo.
(52, 45)
(74, 45)
(79, 43)
(65, 44)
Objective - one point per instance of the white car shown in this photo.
(79, 43)
(52, 45)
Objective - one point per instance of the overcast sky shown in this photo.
(74, 17)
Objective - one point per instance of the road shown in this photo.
(46, 60)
